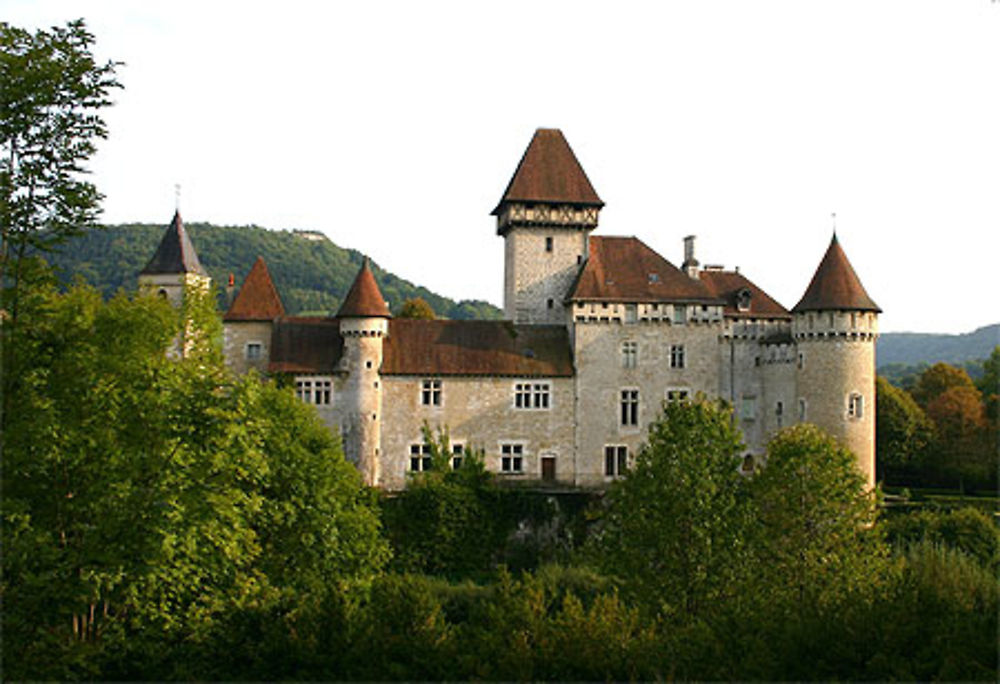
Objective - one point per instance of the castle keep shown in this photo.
(599, 332)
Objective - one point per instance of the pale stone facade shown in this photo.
(600, 333)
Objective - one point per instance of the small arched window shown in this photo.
(162, 293)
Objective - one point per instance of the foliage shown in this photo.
(445, 522)
(968, 530)
(312, 276)
(52, 91)
(937, 379)
(903, 434)
(817, 542)
(416, 308)
(147, 500)
(989, 385)
(675, 526)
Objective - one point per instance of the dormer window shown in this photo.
(654, 278)
(743, 299)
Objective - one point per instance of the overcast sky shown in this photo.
(394, 127)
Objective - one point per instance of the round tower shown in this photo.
(364, 322)
(545, 216)
(835, 326)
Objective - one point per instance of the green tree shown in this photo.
(936, 380)
(961, 451)
(989, 385)
(903, 433)
(52, 91)
(816, 540)
(146, 499)
(675, 527)
(417, 307)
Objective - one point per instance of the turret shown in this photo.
(174, 266)
(835, 326)
(249, 322)
(364, 322)
(545, 216)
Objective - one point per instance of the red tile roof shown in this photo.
(257, 299)
(835, 285)
(549, 172)
(364, 299)
(422, 347)
(624, 269)
(306, 345)
(727, 285)
(175, 253)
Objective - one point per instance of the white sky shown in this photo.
(394, 127)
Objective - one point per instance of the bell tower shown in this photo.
(545, 216)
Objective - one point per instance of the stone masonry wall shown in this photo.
(533, 276)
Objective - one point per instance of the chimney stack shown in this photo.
(690, 265)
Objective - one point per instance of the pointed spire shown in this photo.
(176, 253)
(364, 299)
(835, 285)
(549, 172)
(258, 299)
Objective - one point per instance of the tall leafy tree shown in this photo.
(936, 380)
(675, 527)
(903, 433)
(52, 91)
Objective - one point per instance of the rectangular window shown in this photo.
(615, 460)
(856, 406)
(457, 452)
(630, 354)
(677, 356)
(749, 408)
(420, 458)
(680, 314)
(430, 393)
(802, 410)
(548, 244)
(512, 458)
(318, 391)
(675, 394)
(254, 351)
(630, 407)
(528, 395)
(779, 412)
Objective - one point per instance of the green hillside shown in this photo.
(311, 274)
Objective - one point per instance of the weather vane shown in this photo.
(177, 196)
(833, 216)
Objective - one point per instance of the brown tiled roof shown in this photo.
(835, 285)
(727, 285)
(257, 299)
(175, 253)
(624, 269)
(422, 347)
(305, 345)
(364, 299)
(550, 172)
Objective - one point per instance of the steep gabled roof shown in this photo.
(306, 345)
(364, 299)
(258, 299)
(727, 285)
(835, 285)
(175, 254)
(549, 172)
(422, 347)
(624, 269)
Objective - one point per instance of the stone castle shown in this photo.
(599, 331)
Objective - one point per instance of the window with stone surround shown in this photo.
(680, 314)
(629, 407)
(430, 392)
(532, 395)
(457, 454)
(314, 390)
(748, 410)
(630, 354)
(779, 413)
(512, 458)
(254, 351)
(420, 458)
(677, 356)
(615, 460)
(676, 394)
(548, 244)
(855, 406)
(802, 410)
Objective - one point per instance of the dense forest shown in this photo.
(311, 273)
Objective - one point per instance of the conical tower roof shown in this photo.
(364, 299)
(176, 253)
(835, 286)
(258, 298)
(549, 172)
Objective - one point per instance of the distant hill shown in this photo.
(930, 348)
(311, 273)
